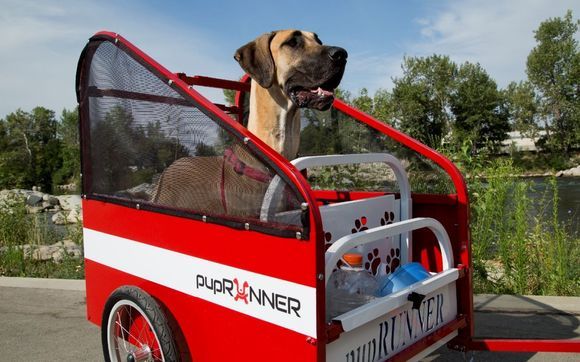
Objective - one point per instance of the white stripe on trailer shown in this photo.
(277, 301)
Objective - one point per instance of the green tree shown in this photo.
(421, 97)
(229, 96)
(522, 106)
(31, 152)
(129, 153)
(480, 110)
(68, 134)
(553, 68)
(383, 106)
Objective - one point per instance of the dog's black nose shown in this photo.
(337, 53)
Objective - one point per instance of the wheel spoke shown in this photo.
(128, 321)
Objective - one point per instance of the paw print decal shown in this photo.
(327, 238)
(393, 260)
(373, 261)
(360, 225)
(327, 244)
(388, 218)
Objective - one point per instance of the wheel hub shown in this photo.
(140, 355)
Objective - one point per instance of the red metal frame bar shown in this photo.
(241, 97)
(213, 82)
(526, 345)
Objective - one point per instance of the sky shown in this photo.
(42, 40)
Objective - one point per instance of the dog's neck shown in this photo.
(275, 119)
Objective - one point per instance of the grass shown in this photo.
(18, 228)
(519, 245)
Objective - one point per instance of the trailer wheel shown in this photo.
(135, 329)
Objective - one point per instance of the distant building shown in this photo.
(521, 142)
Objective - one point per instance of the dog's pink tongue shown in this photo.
(322, 92)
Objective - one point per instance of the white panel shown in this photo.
(283, 303)
(350, 217)
(396, 330)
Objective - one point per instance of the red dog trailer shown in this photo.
(202, 243)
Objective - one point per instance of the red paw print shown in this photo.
(360, 225)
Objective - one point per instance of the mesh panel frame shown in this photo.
(149, 143)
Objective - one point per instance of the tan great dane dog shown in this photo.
(290, 69)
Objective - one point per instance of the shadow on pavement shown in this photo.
(518, 317)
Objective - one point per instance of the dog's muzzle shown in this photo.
(308, 94)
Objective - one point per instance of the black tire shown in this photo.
(123, 305)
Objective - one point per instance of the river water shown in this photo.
(568, 206)
(568, 194)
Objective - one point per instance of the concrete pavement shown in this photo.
(44, 320)
(45, 324)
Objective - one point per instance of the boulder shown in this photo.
(43, 252)
(571, 172)
(59, 218)
(33, 200)
(73, 217)
(34, 209)
(70, 202)
(52, 200)
(58, 255)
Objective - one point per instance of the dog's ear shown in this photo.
(255, 58)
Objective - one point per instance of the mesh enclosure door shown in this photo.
(147, 141)
(334, 132)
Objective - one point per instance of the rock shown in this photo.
(75, 253)
(571, 172)
(73, 217)
(59, 218)
(52, 200)
(495, 270)
(34, 209)
(56, 252)
(70, 202)
(26, 250)
(69, 244)
(68, 187)
(58, 255)
(33, 200)
(43, 253)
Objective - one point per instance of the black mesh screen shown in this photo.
(333, 132)
(152, 145)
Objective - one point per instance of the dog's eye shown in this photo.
(292, 42)
(317, 39)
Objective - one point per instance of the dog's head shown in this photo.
(306, 71)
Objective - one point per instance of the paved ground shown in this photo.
(44, 320)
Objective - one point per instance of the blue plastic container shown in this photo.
(404, 276)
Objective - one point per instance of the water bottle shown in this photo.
(404, 276)
(349, 287)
